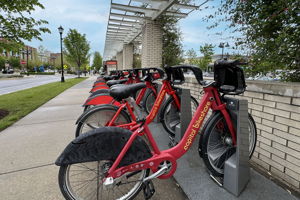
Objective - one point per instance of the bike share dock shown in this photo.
(30, 146)
(192, 176)
(239, 181)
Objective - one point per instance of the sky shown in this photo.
(90, 17)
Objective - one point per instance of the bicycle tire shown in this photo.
(212, 146)
(99, 112)
(148, 101)
(65, 176)
(175, 119)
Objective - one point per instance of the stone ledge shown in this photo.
(277, 88)
(266, 87)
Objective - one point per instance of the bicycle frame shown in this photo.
(165, 89)
(106, 99)
(210, 100)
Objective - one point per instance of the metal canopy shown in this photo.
(126, 20)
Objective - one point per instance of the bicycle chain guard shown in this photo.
(171, 171)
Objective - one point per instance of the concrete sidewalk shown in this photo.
(30, 147)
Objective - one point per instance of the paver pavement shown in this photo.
(30, 147)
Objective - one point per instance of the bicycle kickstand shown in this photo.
(148, 189)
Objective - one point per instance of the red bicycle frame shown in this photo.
(107, 99)
(165, 89)
(210, 100)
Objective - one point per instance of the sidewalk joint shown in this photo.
(25, 169)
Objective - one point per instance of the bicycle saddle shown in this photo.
(114, 82)
(107, 78)
(120, 92)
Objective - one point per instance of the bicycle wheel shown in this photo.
(149, 101)
(170, 114)
(99, 116)
(85, 181)
(216, 143)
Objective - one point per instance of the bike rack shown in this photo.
(237, 170)
(185, 114)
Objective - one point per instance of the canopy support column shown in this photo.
(151, 44)
(120, 60)
(127, 56)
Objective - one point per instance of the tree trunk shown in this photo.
(78, 72)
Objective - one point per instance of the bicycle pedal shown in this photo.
(148, 189)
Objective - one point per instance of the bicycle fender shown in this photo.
(100, 99)
(104, 143)
(103, 91)
(83, 115)
(94, 89)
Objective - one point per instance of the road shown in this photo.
(9, 86)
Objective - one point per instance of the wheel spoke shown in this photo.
(85, 167)
(89, 185)
(218, 143)
(99, 119)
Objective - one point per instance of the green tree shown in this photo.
(97, 62)
(137, 63)
(31, 64)
(191, 56)
(17, 25)
(171, 39)
(7, 45)
(270, 30)
(15, 62)
(77, 48)
(207, 51)
(172, 53)
(2, 62)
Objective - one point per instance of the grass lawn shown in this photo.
(20, 103)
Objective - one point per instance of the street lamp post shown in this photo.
(223, 45)
(27, 65)
(60, 30)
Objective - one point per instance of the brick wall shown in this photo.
(275, 108)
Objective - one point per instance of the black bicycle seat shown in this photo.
(114, 82)
(107, 78)
(120, 92)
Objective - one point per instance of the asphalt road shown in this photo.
(9, 86)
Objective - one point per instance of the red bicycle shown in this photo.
(124, 116)
(100, 91)
(115, 163)
(101, 87)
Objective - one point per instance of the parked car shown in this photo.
(8, 71)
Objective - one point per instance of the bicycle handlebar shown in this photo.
(175, 73)
(229, 62)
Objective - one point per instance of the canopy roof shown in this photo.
(126, 18)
